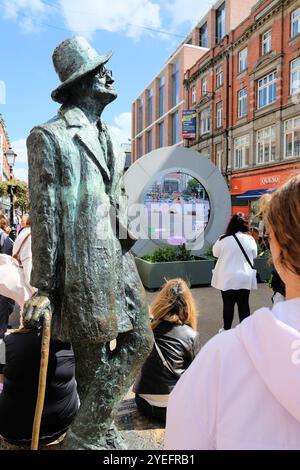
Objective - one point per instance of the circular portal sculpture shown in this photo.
(149, 169)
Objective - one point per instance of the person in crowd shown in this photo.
(23, 223)
(177, 342)
(242, 390)
(20, 375)
(261, 231)
(234, 274)
(6, 248)
(22, 248)
(278, 286)
(254, 234)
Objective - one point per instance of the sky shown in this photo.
(142, 34)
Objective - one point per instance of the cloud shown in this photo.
(122, 127)
(187, 11)
(21, 164)
(19, 147)
(117, 16)
(28, 13)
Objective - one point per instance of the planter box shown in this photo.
(154, 275)
(263, 268)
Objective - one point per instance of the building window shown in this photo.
(175, 85)
(241, 151)
(203, 33)
(292, 138)
(295, 22)
(193, 94)
(243, 60)
(219, 76)
(149, 141)
(161, 134)
(205, 121)
(140, 147)
(267, 90)
(220, 23)
(161, 96)
(140, 115)
(266, 42)
(243, 103)
(266, 145)
(219, 156)
(295, 76)
(175, 129)
(204, 86)
(150, 106)
(219, 114)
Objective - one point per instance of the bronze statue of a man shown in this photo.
(82, 268)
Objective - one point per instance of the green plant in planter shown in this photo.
(209, 252)
(165, 254)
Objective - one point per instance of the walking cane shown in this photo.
(42, 381)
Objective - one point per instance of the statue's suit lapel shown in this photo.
(87, 136)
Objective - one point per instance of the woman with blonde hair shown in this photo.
(243, 389)
(177, 342)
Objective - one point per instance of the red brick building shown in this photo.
(157, 112)
(246, 92)
(4, 146)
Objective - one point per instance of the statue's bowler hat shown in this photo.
(73, 59)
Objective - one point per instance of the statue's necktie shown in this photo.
(102, 134)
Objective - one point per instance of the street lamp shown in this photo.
(11, 157)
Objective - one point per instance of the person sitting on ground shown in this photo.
(22, 357)
(243, 389)
(176, 344)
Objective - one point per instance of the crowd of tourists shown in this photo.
(241, 390)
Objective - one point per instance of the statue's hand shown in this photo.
(35, 309)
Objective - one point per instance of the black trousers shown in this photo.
(230, 298)
(150, 411)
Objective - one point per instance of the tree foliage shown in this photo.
(194, 186)
(19, 189)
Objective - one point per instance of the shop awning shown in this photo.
(254, 194)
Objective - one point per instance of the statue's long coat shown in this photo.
(74, 175)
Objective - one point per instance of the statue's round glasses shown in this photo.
(103, 72)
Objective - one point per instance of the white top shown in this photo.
(242, 391)
(232, 270)
(25, 256)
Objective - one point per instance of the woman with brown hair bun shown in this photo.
(177, 342)
(243, 389)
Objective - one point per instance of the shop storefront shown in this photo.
(248, 187)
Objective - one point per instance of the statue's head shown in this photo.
(82, 72)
